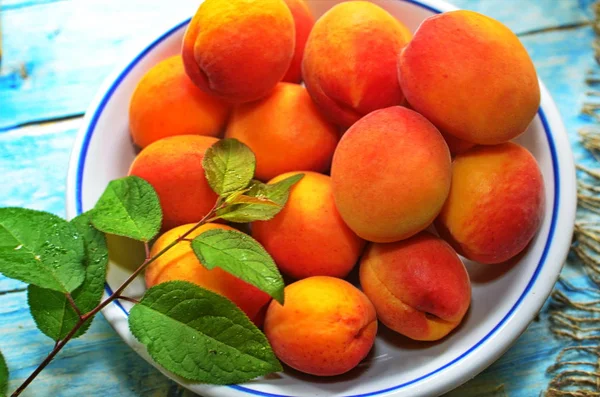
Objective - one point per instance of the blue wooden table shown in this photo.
(56, 53)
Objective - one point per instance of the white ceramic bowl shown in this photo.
(505, 298)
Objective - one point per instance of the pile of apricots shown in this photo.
(398, 134)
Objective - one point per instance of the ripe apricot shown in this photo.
(495, 205)
(173, 166)
(419, 286)
(308, 237)
(326, 327)
(166, 103)
(303, 21)
(390, 174)
(349, 65)
(180, 263)
(239, 50)
(285, 131)
(471, 77)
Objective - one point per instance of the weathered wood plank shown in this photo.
(55, 68)
(33, 161)
(527, 16)
(562, 59)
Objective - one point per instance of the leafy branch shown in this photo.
(65, 264)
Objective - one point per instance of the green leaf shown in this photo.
(40, 248)
(200, 335)
(229, 166)
(3, 376)
(277, 193)
(242, 256)
(128, 207)
(233, 196)
(242, 199)
(51, 310)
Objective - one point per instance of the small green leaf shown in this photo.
(40, 248)
(200, 335)
(233, 196)
(51, 310)
(3, 376)
(128, 207)
(229, 166)
(242, 256)
(242, 199)
(277, 193)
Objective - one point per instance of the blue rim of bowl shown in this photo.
(79, 208)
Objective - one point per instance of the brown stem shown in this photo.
(115, 295)
(73, 304)
(128, 299)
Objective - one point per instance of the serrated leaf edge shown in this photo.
(210, 157)
(139, 235)
(276, 294)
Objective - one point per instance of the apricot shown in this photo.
(239, 50)
(285, 131)
(180, 263)
(349, 65)
(303, 21)
(308, 237)
(166, 103)
(390, 174)
(495, 205)
(419, 286)
(326, 327)
(173, 166)
(470, 76)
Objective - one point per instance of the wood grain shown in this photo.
(71, 46)
(56, 54)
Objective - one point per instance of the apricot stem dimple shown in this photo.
(429, 316)
(433, 317)
(361, 330)
(209, 82)
(394, 295)
(348, 109)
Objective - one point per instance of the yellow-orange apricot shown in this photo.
(390, 174)
(308, 237)
(349, 65)
(239, 50)
(285, 131)
(180, 263)
(173, 166)
(325, 328)
(495, 205)
(470, 76)
(166, 103)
